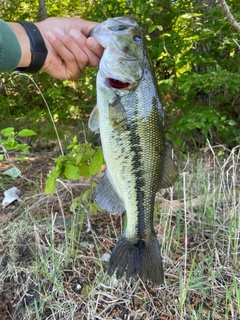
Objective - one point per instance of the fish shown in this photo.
(130, 119)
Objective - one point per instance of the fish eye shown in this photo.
(117, 28)
(137, 39)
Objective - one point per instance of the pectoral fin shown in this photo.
(93, 122)
(117, 116)
(107, 198)
(170, 173)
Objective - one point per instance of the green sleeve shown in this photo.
(10, 50)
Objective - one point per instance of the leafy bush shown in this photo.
(82, 160)
(9, 140)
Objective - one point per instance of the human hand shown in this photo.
(69, 49)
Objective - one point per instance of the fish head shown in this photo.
(121, 66)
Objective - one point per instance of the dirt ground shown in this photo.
(34, 170)
(95, 237)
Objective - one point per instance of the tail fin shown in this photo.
(137, 257)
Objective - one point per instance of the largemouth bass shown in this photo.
(129, 117)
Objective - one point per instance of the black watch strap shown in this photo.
(37, 46)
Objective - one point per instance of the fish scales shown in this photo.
(129, 117)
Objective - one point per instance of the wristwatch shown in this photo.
(37, 46)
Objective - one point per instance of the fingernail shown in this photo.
(75, 34)
(58, 32)
(50, 36)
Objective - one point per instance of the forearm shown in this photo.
(10, 49)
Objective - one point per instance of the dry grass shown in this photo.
(52, 266)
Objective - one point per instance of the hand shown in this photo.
(69, 49)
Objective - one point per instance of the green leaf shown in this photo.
(55, 173)
(10, 145)
(26, 133)
(13, 172)
(75, 204)
(51, 181)
(231, 122)
(143, 7)
(87, 155)
(75, 140)
(94, 206)
(151, 29)
(78, 158)
(7, 131)
(23, 148)
(1, 157)
(85, 196)
(160, 28)
(50, 185)
(154, 27)
(84, 170)
(219, 69)
(71, 172)
(96, 162)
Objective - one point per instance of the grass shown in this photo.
(52, 266)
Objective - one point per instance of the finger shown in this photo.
(87, 26)
(66, 59)
(92, 58)
(74, 53)
(75, 42)
(95, 46)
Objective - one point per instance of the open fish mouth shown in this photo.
(117, 84)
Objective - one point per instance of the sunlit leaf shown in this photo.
(71, 172)
(84, 170)
(10, 145)
(75, 204)
(96, 162)
(50, 185)
(7, 131)
(26, 133)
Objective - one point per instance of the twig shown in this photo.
(236, 43)
(229, 16)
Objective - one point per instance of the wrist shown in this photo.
(35, 52)
(37, 46)
(24, 42)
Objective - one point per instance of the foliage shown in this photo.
(82, 160)
(202, 77)
(9, 140)
(195, 54)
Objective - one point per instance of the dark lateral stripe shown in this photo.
(138, 174)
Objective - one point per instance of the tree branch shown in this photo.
(229, 16)
(42, 12)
